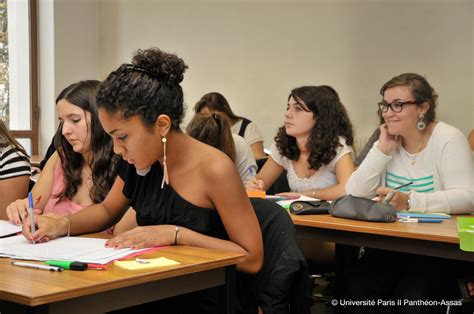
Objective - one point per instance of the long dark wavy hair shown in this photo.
(103, 162)
(332, 121)
(216, 101)
(147, 87)
(214, 130)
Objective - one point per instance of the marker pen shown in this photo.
(68, 265)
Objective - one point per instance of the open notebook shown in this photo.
(7, 228)
(87, 250)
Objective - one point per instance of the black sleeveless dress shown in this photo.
(281, 286)
(156, 206)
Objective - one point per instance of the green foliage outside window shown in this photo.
(4, 99)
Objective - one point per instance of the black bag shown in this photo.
(309, 207)
(359, 208)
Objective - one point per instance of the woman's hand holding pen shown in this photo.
(146, 236)
(399, 201)
(255, 184)
(388, 142)
(18, 210)
(48, 227)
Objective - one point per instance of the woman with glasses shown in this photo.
(414, 147)
(435, 158)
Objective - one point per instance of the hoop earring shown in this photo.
(421, 125)
(165, 167)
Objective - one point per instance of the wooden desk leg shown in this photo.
(228, 291)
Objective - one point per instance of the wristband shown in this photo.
(409, 201)
(176, 231)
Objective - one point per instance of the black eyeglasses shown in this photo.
(395, 106)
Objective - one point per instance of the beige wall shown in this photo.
(255, 52)
(68, 51)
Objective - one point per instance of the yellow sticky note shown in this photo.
(146, 263)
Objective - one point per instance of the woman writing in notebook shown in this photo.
(178, 186)
(83, 168)
(314, 146)
(14, 170)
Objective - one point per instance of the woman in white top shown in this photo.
(214, 130)
(215, 102)
(314, 146)
(413, 147)
(436, 159)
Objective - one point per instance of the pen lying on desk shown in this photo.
(38, 266)
(420, 220)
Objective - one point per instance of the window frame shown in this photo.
(32, 134)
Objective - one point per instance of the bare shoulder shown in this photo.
(214, 164)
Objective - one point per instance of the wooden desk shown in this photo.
(98, 291)
(432, 239)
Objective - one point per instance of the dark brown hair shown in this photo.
(217, 102)
(420, 88)
(214, 130)
(103, 161)
(332, 122)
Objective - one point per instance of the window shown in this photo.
(18, 71)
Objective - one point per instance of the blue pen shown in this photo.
(31, 213)
(429, 220)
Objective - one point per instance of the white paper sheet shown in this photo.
(88, 250)
(7, 228)
(286, 203)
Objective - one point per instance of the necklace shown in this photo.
(413, 158)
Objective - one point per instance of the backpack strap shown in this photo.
(243, 126)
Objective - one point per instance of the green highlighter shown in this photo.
(68, 265)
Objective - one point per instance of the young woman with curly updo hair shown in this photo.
(83, 168)
(313, 146)
(178, 186)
